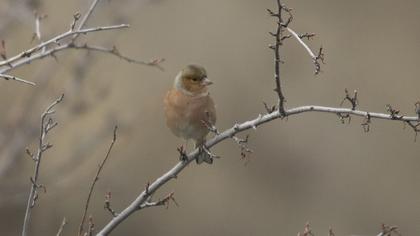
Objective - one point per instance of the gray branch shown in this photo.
(142, 199)
(66, 40)
(46, 125)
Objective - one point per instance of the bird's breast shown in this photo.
(185, 114)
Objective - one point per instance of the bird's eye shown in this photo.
(194, 79)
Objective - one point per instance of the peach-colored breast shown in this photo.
(184, 114)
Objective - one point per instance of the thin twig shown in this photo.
(352, 99)
(389, 231)
(11, 77)
(60, 42)
(46, 126)
(163, 202)
(91, 227)
(107, 204)
(51, 48)
(307, 231)
(60, 230)
(86, 17)
(95, 179)
(299, 39)
(315, 58)
(56, 41)
(37, 31)
(114, 51)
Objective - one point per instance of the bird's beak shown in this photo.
(206, 82)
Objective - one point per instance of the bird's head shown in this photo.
(192, 80)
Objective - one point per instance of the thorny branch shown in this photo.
(47, 124)
(389, 230)
(352, 99)
(316, 59)
(228, 133)
(95, 179)
(415, 126)
(242, 143)
(354, 102)
(366, 123)
(278, 35)
(282, 25)
(307, 231)
(273, 113)
(161, 202)
(66, 40)
(386, 231)
(54, 42)
(393, 112)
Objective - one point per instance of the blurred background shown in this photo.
(310, 167)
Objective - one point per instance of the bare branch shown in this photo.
(60, 230)
(114, 51)
(37, 33)
(11, 77)
(393, 112)
(3, 50)
(352, 99)
(242, 143)
(299, 39)
(14, 61)
(307, 231)
(107, 204)
(76, 17)
(237, 128)
(163, 202)
(52, 46)
(315, 58)
(389, 230)
(86, 17)
(66, 40)
(91, 227)
(278, 35)
(415, 126)
(95, 179)
(42, 147)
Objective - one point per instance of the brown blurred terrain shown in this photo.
(306, 168)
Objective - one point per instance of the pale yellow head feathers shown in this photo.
(192, 80)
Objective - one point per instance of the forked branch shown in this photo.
(47, 124)
(63, 41)
(272, 114)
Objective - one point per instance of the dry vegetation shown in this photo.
(21, 122)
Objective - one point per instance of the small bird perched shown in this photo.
(188, 106)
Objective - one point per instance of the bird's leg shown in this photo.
(182, 152)
(210, 155)
(204, 154)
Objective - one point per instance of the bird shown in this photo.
(190, 110)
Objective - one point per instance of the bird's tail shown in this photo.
(204, 155)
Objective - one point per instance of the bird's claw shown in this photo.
(182, 153)
(205, 155)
